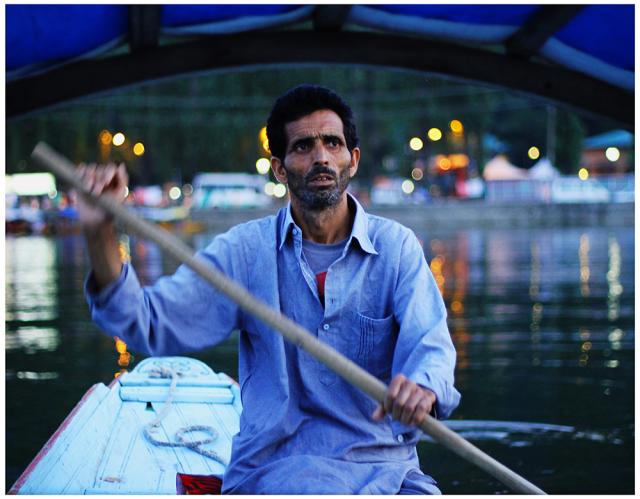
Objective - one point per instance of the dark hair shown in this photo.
(301, 101)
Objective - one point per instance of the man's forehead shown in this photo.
(317, 124)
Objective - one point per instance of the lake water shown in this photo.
(542, 319)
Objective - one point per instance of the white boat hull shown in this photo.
(101, 448)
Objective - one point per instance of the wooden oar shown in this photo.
(47, 158)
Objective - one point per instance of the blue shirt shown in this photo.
(303, 429)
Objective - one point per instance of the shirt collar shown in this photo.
(359, 230)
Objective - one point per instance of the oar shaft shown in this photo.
(46, 157)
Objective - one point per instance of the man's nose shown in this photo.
(320, 154)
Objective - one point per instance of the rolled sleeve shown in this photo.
(99, 298)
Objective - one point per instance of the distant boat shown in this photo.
(127, 439)
(166, 214)
(24, 220)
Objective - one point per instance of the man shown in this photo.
(359, 282)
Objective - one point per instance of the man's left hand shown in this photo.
(406, 401)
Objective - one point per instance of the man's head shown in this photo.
(301, 101)
(313, 140)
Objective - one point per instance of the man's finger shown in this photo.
(409, 407)
(99, 184)
(122, 174)
(88, 177)
(392, 392)
(108, 176)
(423, 408)
(406, 391)
(378, 414)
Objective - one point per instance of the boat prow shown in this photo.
(108, 444)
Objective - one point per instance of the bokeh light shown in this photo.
(264, 141)
(612, 154)
(408, 186)
(269, 188)
(416, 143)
(434, 134)
(118, 139)
(280, 190)
(456, 126)
(105, 137)
(263, 165)
(444, 163)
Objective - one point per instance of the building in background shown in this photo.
(609, 153)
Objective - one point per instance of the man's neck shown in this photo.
(328, 226)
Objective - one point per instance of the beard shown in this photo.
(313, 198)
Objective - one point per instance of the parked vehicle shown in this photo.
(229, 190)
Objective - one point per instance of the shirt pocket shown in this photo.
(376, 344)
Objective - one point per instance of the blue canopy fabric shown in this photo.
(599, 41)
(41, 37)
(596, 41)
(613, 138)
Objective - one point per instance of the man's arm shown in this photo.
(424, 356)
(97, 225)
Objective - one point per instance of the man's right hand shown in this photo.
(110, 180)
(97, 225)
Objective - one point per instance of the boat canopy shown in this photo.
(580, 55)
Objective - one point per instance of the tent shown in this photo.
(579, 55)
(543, 170)
(499, 168)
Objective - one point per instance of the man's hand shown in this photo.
(406, 401)
(111, 180)
(97, 224)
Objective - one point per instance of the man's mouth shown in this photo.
(321, 180)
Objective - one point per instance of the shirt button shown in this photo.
(295, 232)
(400, 438)
(326, 327)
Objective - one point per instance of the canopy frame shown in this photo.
(324, 46)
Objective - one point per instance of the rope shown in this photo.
(181, 437)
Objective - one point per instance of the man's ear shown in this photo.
(278, 169)
(355, 160)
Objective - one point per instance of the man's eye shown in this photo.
(300, 147)
(334, 142)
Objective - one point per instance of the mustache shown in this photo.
(319, 170)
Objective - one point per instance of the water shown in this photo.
(542, 319)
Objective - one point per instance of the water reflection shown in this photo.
(584, 265)
(31, 279)
(34, 376)
(124, 356)
(32, 339)
(613, 279)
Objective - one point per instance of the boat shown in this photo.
(163, 428)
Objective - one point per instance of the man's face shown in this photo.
(317, 165)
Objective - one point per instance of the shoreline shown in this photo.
(464, 214)
(438, 215)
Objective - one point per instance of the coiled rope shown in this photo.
(181, 437)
